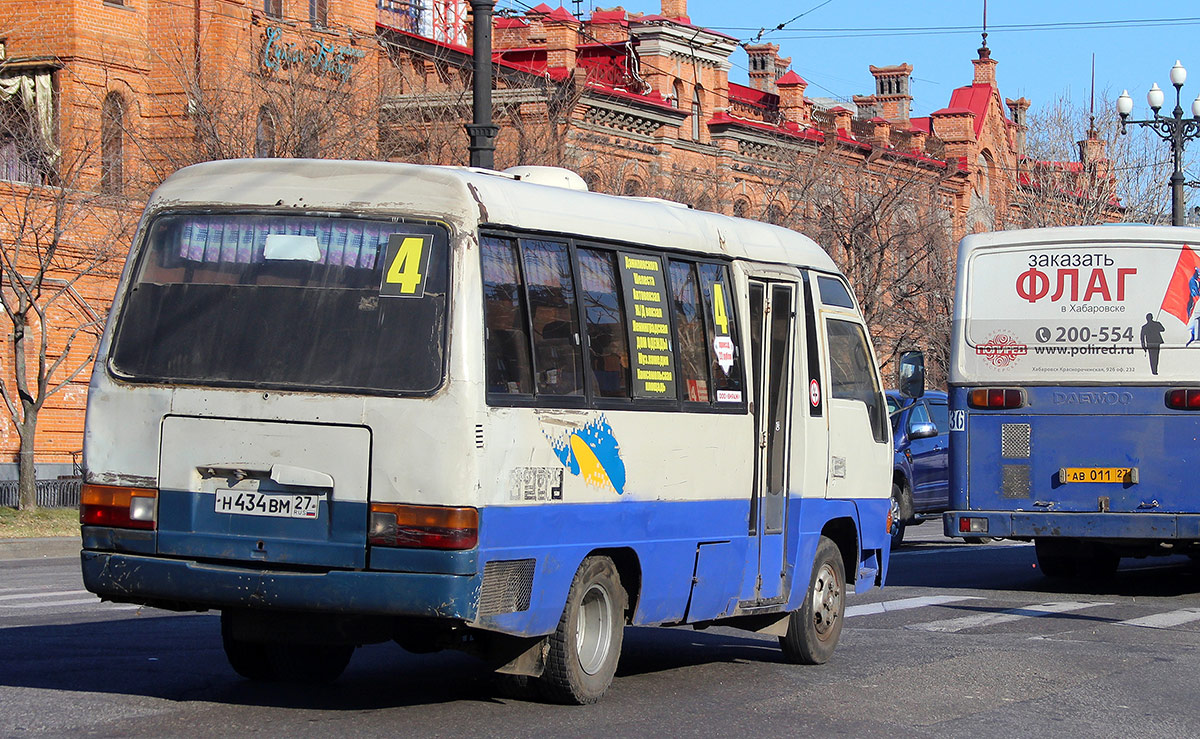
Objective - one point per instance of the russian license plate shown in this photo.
(250, 503)
(1098, 474)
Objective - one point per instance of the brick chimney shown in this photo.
(562, 39)
(766, 66)
(917, 140)
(791, 98)
(985, 66)
(841, 119)
(675, 9)
(892, 93)
(1018, 109)
(882, 135)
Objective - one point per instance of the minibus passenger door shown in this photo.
(772, 325)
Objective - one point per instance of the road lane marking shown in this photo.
(1165, 620)
(41, 594)
(992, 618)
(53, 603)
(904, 604)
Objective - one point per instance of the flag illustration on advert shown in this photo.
(1184, 287)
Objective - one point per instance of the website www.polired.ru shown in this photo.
(1080, 351)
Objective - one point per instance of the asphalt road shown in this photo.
(966, 639)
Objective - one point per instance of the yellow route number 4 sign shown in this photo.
(405, 264)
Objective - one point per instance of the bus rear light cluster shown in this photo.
(426, 527)
(972, 525)
(118, 507)
(1184, 399)
(996, 398)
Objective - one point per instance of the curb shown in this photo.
(40, 548)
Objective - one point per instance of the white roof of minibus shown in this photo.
(467, 197)
(1110, 233)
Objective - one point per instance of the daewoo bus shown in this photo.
(351, 402)
(1075, 393)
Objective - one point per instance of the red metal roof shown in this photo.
(791, 78)
(751, 96)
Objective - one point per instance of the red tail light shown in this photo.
(1184, 399)
(118, 507)
(428, 527)
(996, 398)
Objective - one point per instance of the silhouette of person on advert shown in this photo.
(1152, 339)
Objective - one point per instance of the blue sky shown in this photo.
(1044, 48)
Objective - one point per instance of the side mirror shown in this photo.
(922, 431)
(912, 374)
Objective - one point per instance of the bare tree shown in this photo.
(282, 95)
(1079, 170)
(58, 241)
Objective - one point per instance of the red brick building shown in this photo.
(100, 99)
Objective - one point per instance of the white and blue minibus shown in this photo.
(353, 402)
(1075, 393)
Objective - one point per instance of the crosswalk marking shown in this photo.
(38, 594)
(53, 603)
(904, 604)
(991, 618)
(1165, 620)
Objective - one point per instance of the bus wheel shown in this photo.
(897, 515)
(1056, 557)
(247, 658)
(813, 630)
(585, 647)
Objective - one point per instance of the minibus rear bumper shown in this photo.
(1075, 525)
(181, 584)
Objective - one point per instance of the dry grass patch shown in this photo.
(16, 524)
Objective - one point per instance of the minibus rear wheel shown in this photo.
(585, 647)
(813, 631)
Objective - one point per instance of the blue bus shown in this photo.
(1075, 393)
(353, 402)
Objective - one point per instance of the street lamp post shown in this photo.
(1177, 130)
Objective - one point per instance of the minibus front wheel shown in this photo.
(814, 629)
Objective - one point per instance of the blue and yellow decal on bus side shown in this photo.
(593, 453)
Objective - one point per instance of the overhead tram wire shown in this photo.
(1066, 25)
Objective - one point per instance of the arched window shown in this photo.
(632, 187)
(982, 181)
(112, 143)
(592, 178)
(775, 214)
(264, 133)
(678, 94)
(696, 113)
(741, 207)
(318, 13)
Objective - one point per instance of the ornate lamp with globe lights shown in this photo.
(1175, 129)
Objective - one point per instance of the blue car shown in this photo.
(921, 466)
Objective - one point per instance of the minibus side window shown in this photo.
(509, 369)
(726, 357)
(608, 348)
(852, 375)
(689, 325)
(557, 358)
(833, 292)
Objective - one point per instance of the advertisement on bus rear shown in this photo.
(1082, 312)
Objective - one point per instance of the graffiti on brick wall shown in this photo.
(319, 58)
